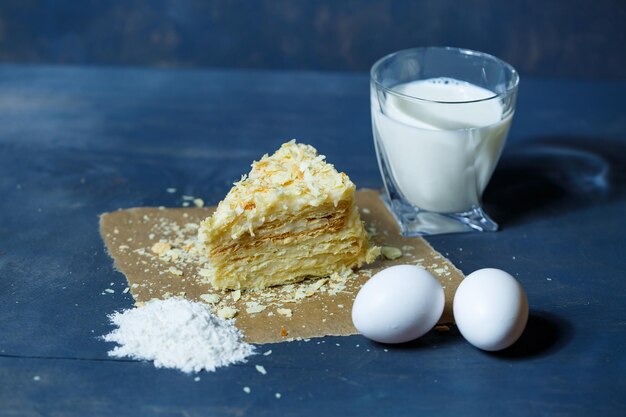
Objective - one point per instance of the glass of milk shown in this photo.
(440, 117)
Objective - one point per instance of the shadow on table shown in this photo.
(432, 339)
(555, 175)
(545, 334)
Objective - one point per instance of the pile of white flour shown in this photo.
(176, 333)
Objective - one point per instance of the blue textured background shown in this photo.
(82, 139)
(578, 38)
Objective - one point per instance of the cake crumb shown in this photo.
(247, 390)
(284, 311)
(210, 298)
(261, 369)
(175, 271)
(161, 248)
(203, 272)
(254, 307)
(390, 252)
(227, 312)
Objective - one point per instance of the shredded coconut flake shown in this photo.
(176, 333)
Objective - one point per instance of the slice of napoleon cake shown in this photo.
(292, 217)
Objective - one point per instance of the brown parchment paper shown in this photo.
(129, 235)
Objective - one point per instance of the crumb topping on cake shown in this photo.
(294, 177)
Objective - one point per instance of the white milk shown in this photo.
(440, 155)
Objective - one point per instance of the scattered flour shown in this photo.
(176, 333)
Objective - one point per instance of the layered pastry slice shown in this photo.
(292, 217)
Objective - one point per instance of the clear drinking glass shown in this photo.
(440, 117)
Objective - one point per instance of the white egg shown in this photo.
(398, 304)
(490, 309)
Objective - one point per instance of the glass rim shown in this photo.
(464, 51)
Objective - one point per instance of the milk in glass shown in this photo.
(441, 139)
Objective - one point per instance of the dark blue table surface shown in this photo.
(77, 142)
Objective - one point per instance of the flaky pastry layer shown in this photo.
(291, 257)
